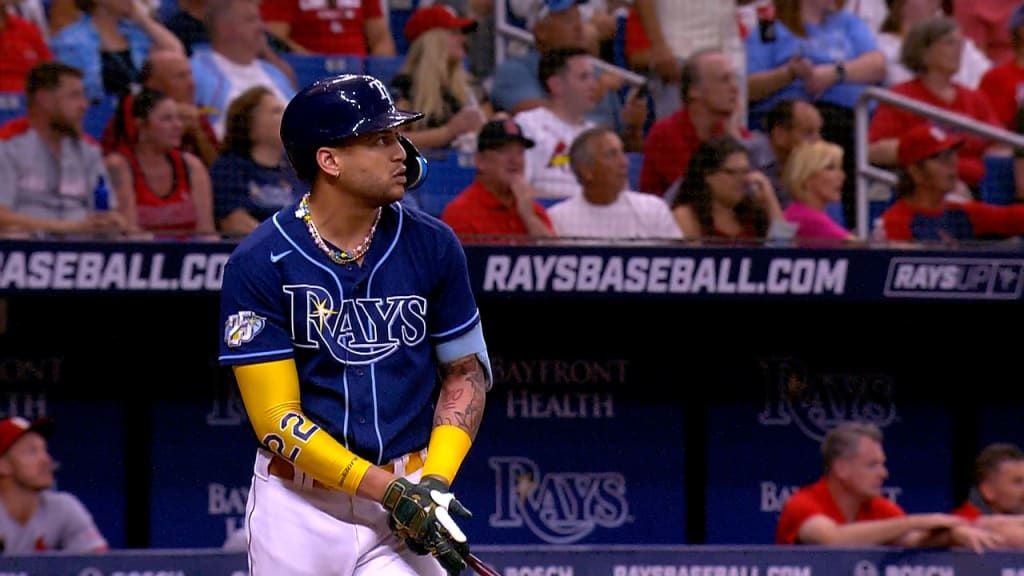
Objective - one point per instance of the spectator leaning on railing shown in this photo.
(845, 506)
(996, 498)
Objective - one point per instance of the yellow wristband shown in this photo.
(352, 474)
(448, 448)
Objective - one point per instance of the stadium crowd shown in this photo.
(711, 114)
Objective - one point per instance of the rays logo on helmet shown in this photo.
(242, 327)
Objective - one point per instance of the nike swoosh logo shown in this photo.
(275, 257)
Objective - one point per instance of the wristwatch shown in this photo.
(840, 72)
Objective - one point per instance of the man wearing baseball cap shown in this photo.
(927, 156)
(433, 80)
(499, 201)
(436, 16)
(33, 516)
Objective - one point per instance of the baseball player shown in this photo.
(356, 343)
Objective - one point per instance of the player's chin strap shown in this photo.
(415, 164)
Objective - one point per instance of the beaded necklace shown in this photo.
(336, 256)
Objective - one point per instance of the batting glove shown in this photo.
(422, 514)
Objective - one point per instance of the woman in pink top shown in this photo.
(814, 177)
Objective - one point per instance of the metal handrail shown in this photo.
(504, 29)
(866, 170)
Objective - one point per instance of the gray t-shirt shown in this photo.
(60, 523)
(38, 184)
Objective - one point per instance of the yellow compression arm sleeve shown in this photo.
(448, 448)
(270, 392)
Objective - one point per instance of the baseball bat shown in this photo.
(480, 567)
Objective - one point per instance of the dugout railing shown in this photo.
(868, 173)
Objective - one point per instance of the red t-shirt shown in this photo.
(667, 150)
(477, 211)
(968, 511)
(890, 122)
(952, 221)
(322, 29)
(21, 47)
(816, 499)
(1004, 88)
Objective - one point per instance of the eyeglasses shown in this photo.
(736, 171)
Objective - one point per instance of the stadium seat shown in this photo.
(619, 40)
(548, 202)
(835, 211)
(396, 20)
(167, 9)
(97, 116)
(311, 67)
(445, 179)
(12, 105)
(636, 161)
(383, 68)
(998, 186)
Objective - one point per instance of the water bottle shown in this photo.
(766, 22)
(101, 196)
(465, 149)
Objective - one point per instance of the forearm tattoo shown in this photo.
(462, 395)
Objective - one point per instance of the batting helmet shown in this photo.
(333, 109)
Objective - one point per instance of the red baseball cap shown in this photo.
(436, 16)
(923, 142)
(15, 427)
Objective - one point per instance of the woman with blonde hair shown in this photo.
(434, 81)
(814, 177)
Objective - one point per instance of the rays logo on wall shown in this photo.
(559, 508)
(817, 402)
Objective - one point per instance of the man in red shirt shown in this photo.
(996, 500)
(21, 47)
(923, 211)
(499, 202)
(846, 507)
(349, 27)
(710, 95)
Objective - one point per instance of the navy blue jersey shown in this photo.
(362, 337)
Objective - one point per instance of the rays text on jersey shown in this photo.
(355, 330)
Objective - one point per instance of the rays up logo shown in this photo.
(816, 402)
(559, 508)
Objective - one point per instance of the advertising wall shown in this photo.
(640, 396)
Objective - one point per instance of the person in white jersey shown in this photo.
(568, 78)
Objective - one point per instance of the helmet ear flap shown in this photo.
(415, 164)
